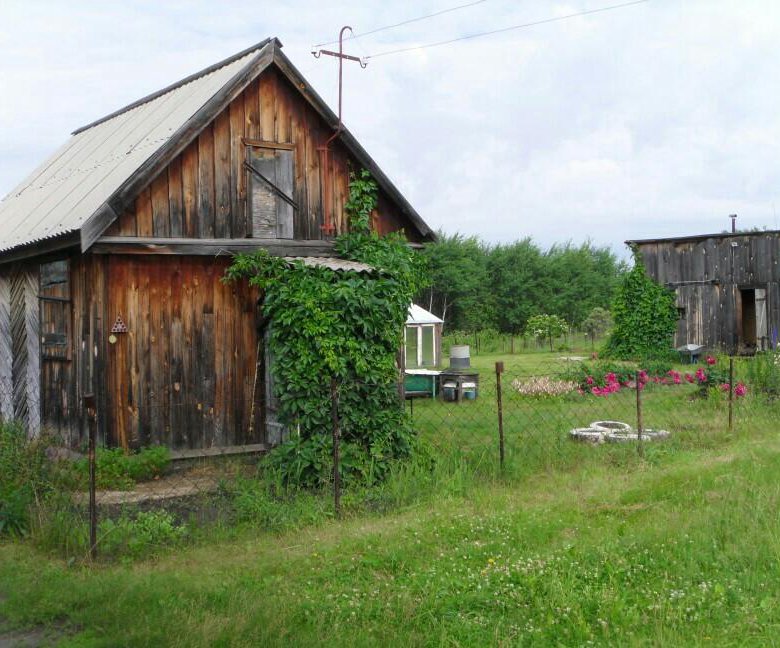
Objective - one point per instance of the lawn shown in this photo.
(576, 544)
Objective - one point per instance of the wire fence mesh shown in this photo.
(486, 424)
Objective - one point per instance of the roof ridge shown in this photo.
(693, 237)
(188, 79)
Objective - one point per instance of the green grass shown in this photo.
(570, 544)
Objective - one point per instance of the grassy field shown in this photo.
(570, 545)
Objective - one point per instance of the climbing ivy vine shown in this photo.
(343, 324)
(645, 317)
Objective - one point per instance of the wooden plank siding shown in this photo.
(708, 275)
(182, 375)
(203, 192)
(20, 362)
(6, 349)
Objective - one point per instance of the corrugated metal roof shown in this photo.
(63, 192)
(332, 264)
(700, 237)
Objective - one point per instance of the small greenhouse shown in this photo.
(422, 338)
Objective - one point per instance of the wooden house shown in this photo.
(112, 253)
(727, 287)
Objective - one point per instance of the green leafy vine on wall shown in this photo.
(342, 324)
(645, 317)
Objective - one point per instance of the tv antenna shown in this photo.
(328, 226)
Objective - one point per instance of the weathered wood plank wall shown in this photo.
(6, 352)
(708, 273)
(183, 374)
(23, 332)
(203, 192)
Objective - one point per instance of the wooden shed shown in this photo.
(727, 287)
(112, 253)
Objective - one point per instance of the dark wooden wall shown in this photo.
(183, 373)
(202, 193)
(707, 274)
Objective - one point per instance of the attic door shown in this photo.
(271, 192)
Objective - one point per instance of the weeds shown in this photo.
(25, 478)
(117, 469)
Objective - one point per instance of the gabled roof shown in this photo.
(418, 315)
(79, 191)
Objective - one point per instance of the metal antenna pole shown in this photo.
(328, 227)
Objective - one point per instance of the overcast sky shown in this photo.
(654, 120)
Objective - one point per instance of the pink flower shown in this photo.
(740, 389)
(689, 377)
(589, 380)
(725, 387)
(676, 379)
(711, 360)
(643, 376)
(610, 378)
(700, 375)
(596, 391)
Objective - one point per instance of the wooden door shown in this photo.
(182, 374)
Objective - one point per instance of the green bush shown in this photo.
(347, 326)
(308, 462)
(25, 477)
(136, 536)
(118, 470)
(645, 317)
(763, 373)
(580, 372)
(257, 503)
(659, 367)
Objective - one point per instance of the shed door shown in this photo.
(181, 361)
(762, 340)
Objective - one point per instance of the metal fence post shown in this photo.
(334, 412)
(90, 407)
(639, 424)
(499, 371)
(731, 393)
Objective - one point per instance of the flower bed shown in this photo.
(610, 378)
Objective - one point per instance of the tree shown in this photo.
(597, 323)
(546, 327)
(645, 317)
(578, 279)
(517, 285)
(457, 271)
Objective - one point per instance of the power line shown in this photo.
(405, 22)
(505, 29)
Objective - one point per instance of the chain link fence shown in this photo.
(96, 502)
